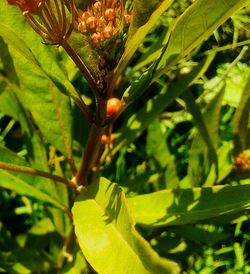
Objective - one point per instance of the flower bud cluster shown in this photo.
(102, 20)
(242, 161)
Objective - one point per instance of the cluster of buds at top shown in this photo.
(103, 19)
(242, 161)
(48, 18)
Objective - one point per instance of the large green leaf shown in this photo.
(34, 62)
(107, 237)
(36, 150)
(37, 154)
(25, 184)
(182, 206)
(195, 25)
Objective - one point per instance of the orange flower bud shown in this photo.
(110, 14)
(97, 6)
(91, 22)
(113, 107)
(85, 15)
(104, 139)
(127, 18)
(82, 27)
(107, 32)
(96, 37)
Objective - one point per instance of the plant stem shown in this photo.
(90, 153)
(93, 146)
(36, 172)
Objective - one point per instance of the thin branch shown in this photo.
(36, 172)
(83, 68)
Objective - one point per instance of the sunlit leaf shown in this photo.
(107, 237)
(34, 62)
(183, 206)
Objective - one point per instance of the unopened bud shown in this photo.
(82, 27)
(113, 107)
(127, 18)
(97, 6)
(96, 37)
(107, 32)
(91, 22)
(110, 14)
(85, 15)
(105, 139)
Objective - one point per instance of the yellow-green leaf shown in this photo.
(107, 237)
(182, 206)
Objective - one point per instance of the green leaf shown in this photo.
(195, 25)
(235, 81)
(77, 265)
(107, 237)
(153, 108)
(138, 87)
(82, 46)
(24, 184)
(225, 160)
(40, 95)
(141, 13)
(37, 154)
(24, 260)
(140, 26)
(208, 134)
(10, 105)
(157, 149)
(207, 234)
(183, 206)
(242, 121)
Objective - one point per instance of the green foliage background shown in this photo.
(187, 88)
